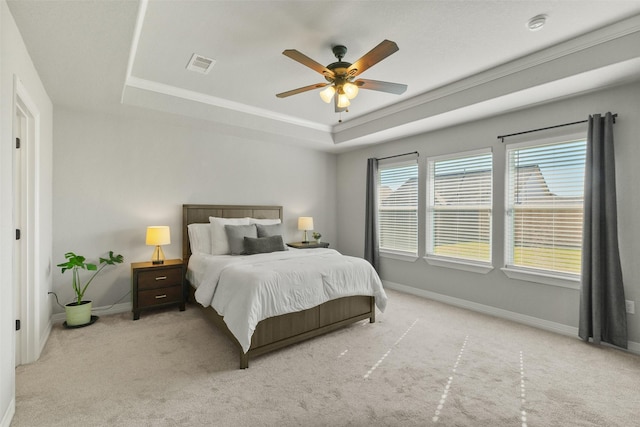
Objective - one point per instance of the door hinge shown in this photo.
(17, 324)
(17, 142)
(17, 234)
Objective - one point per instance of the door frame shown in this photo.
(29, 307)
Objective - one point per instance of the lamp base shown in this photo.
(158, 256)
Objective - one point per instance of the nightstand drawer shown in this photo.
(159, 278)
(159, 296)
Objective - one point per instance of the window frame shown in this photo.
(465, 264)
(396, 253)
(536, 275)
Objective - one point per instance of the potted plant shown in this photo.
(316, 236)
(79, 311)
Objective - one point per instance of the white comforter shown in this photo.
(247, 289)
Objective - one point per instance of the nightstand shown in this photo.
(157, 285)
(309, 245)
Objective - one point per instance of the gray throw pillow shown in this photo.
(269, 230)
(236, 235)
(263, 245)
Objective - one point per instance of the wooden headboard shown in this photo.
(201, 213)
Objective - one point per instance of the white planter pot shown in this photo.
(78, 314)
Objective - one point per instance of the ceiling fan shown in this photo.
(341, 86)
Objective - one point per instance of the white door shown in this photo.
(18, 203)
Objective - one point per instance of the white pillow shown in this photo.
(264, 221)
(219, 241)
(199, 238)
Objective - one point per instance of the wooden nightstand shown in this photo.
(157, 285)
(309, 245)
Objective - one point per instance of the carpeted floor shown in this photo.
(422, 363)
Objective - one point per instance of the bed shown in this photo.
(281, 330)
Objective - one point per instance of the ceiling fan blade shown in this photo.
(301, 89)
(305, 60)
(375, 55)
(395, 88)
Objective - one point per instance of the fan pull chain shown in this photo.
(340, 119)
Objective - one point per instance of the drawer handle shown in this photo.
(161, 296)
(161, 278)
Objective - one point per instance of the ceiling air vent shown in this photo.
(200, 64)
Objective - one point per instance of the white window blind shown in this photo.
(459, 206)
(398, 207)
(545, 195)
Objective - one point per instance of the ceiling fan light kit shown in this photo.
(342, 87)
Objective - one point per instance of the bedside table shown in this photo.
(157, 285)
(310, 245)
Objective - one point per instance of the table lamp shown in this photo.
(305, 223)
(158, 235)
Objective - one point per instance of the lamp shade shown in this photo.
(350, 89)
(343, 101)
(158, 235)
(327, 94)
(305, 223)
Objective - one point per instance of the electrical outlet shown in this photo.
(630, 306)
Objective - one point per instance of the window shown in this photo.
(398, 207)
(544, 205)
(459, 205)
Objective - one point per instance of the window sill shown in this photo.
(401, 256)
(546, 279)
(459, 264)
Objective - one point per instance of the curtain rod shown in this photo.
(502, 137)
(398, 155)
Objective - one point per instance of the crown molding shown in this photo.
(215, 101)
(137, 31)
(578, 44)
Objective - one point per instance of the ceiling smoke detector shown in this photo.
(537, 22)
(200, 64)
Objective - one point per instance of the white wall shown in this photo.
(15, 62)
(115, 175)
(550, 303)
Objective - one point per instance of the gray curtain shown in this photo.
(371, 247)
(602, 302)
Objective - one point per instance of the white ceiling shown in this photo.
(460, 59)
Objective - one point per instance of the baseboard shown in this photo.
(535, 322)
(44, 337)
(98, 311)
(8, 414)
(633, 347)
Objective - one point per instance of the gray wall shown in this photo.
(550, 303)
(115, 175)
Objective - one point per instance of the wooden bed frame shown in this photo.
(280, 331)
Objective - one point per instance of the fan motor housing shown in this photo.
(339, 69)
(339, 51)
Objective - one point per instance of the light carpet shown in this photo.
(422, 363)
